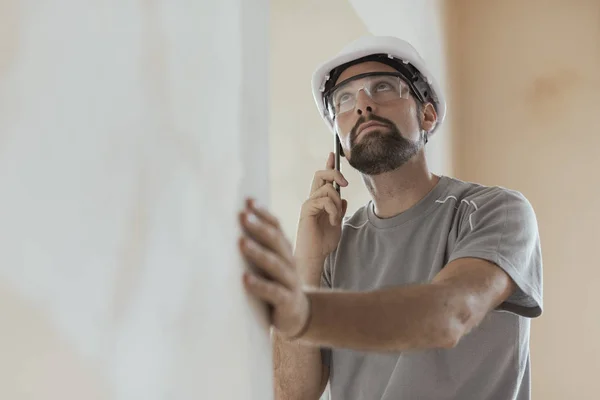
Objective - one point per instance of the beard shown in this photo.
(381, 150)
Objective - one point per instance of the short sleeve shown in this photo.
(326, 283)
(501, 227)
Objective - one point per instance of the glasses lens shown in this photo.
(380, 88)
(343, 98)
(383, 89)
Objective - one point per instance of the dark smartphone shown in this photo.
(338, 149)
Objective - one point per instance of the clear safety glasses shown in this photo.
(382, 87)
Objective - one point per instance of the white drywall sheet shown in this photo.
(130, 131)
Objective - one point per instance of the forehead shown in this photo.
(363, 68)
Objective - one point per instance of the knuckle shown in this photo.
(258, 257)
(274, 292)
(267, 289)
(323, 174)
(271, 261)
(271, 234)
(315, 195)
(332, 191)
(258, 285)
(321, 192)
(310, 205)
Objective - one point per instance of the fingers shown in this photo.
(328, 191)
(268, 262)
(328, 175)
(324, 204)
(263, 213)
(266, 234)
(330, 164)
(267, 247)
(270, 292)
(327, 199)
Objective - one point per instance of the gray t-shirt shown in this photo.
(455, 219)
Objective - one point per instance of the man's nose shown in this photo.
(364, 103)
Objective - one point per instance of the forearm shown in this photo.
(309, 269)
(394, 319)
(298, 370)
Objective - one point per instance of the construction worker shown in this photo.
(426, 291)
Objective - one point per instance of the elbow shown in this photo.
(455, 326)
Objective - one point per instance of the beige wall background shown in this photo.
(523, 84)
(525, 87)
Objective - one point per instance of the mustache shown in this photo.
(362, 119)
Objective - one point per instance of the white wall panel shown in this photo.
(130, 131)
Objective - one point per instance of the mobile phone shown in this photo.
(338, 149)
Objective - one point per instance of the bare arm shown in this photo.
(434, 315)
(298, 370)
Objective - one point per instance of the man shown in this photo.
(427, 291)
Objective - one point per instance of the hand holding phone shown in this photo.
(322, 214)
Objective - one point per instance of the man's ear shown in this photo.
(428, 117)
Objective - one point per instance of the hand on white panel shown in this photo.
(266, 247)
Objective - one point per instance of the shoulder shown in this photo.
(479, 195)
(495, 202)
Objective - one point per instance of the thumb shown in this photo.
(344, 207)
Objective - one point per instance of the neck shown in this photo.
(396, 191)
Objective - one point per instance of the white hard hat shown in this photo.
(394, 50)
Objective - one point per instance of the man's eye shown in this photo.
(344, 98)
(382, 87)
